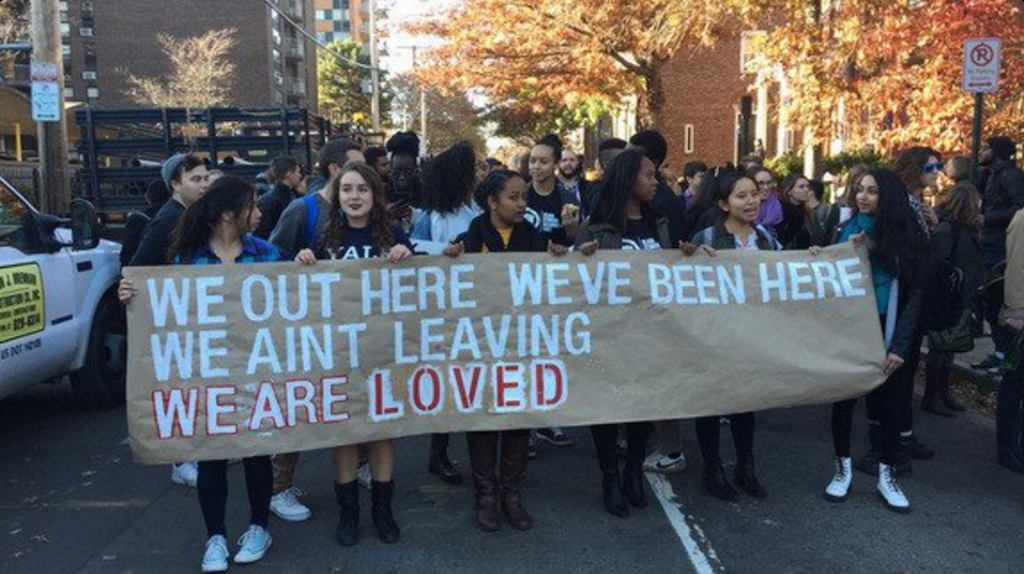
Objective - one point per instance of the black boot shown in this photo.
(633, 484)
(387, 529)
(611, 490)
(715, 482)
(483, 455)
(944, 393)
(605, 438)
(931, 402)
(348, 517)
(439, 464)
(916, 449)
(746, 479)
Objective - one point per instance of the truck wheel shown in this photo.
(100, 383)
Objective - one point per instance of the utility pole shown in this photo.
(374, 69)
(423, 111)
(55, 195)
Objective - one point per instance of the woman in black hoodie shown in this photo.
(501, 228)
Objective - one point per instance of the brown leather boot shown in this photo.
(439, 464)
(515, 447)
(931, 402)
(483, 456)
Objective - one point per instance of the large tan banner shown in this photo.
(239, 360)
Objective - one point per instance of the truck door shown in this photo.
(37, 300)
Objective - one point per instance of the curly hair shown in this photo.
(447, 181)
(910, 165)
(381, 221)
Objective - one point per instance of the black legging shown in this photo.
(884, 415)
(905, 394)
(709, 435)
(604, 442)
(212, 485)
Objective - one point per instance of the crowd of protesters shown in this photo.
(947, 260)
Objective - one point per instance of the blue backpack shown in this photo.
(312, 215)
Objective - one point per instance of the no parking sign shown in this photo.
(981, 65)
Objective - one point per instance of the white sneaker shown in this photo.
(664, 463)
(839, 488)
(254, 544)
(185, 473)
(216, 557)
(286, 506)
(890, 491)
(363, 476)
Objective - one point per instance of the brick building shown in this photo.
(703, 117)
(107, 39)
(342, 20)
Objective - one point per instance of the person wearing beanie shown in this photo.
(186, 177)
(1002, 194)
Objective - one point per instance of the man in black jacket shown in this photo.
(187, 178)
(288, 185)
(1002, 197)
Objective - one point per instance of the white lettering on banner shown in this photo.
(788, 279)
(261, 301)
(384, 407)
(169, 296)
(205, 299)
(696, 284)
(266, 407)
(331, 397)
(207, 352)
(410, 289)
(509, 387)
(426, 391)
(534, 280)
(176, 409)
(468, 388)
(315, 345)
(214, 410)
(295, 402)
(170, 350)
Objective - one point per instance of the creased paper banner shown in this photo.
(237, 360)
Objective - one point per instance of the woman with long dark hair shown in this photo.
(884, 221)
(957, 239)
(738, 200)
(623, 219)
(446, 198)
(217, 230)
(361, 227)
(800, 227)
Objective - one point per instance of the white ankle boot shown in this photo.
(839, 488)
(890, 491)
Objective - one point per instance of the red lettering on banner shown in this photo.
(175, 410)
(383, 405)
(416, 390)
(468, 400)
(541, 370)
(508, 387)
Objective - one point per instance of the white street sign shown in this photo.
(981, 65)
(45, 93)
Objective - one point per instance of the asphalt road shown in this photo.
(73, 501)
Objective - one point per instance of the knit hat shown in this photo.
(1002, 147)
(170, 166)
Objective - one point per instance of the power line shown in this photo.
(319, 44)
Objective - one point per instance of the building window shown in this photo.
(65, 29)
(92, 93)
(65, 49)
(89, 75)
(86, 32)
(69, 93)
(751, 50)
(688, 138)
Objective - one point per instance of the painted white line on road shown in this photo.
(697, 545)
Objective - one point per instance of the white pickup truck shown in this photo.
(59, 313)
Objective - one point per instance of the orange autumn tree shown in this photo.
(894, 69)
(569, 52)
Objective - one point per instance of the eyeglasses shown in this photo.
(933, 167)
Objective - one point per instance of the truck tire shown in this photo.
(100, 383)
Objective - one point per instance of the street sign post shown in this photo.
(45, 93)
(981, 76)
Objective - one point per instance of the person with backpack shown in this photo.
(956, 240)
(738, 200)
(302, 226)
(883, 221)
(157, 195)
(623, 218)
(302, 223)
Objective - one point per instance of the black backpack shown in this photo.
(942, 286)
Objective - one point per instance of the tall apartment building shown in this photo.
(342, 20)
(104, 41)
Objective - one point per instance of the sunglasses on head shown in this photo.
(933, 167)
